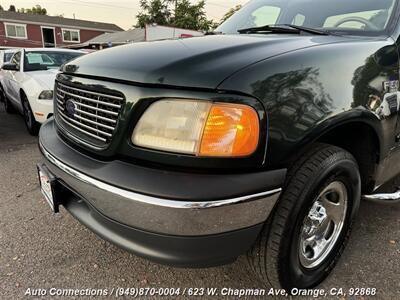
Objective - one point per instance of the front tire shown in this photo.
(31, 125)
(308, 231)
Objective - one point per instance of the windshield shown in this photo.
(7, 56)
(37, 60)
(357, 17)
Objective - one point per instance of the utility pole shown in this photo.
(176, 7)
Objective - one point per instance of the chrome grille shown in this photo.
(91, 116)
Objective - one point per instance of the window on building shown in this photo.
(17, 31)
(71, 35)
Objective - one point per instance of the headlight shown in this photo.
(200, 128)
(46, 95)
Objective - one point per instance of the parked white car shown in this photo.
(28, 83)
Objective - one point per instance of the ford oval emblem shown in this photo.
(70, 108)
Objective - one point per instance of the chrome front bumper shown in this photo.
(164, 216)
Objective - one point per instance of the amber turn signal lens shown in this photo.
(231, 130)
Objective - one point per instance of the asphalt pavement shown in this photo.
(39, 250)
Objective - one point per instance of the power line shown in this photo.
(100, 4)
(126, 7)
(131, 10)
(91, 4)
(85, 3)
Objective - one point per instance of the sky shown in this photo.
(120, 12)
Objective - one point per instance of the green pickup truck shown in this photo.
(261, 137)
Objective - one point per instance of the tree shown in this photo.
(230, 13)
(154, 11)
(177, 13)
(191, 16)
(1, 8)
(36, 10)
(12, 8)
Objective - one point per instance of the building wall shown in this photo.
(34, 39)
(85, 35)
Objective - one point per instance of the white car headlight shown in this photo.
(200, 128)
(46, 95)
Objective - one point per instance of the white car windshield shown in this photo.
(357, 17)
(36, 60)
(7, 56)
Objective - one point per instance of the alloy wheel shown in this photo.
(323, 225)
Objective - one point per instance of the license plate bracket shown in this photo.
(48, 184)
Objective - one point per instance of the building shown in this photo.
(149, 33)
(29, 30)
(107, 40)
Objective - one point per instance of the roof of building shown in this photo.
(57, 21)
(122, 37)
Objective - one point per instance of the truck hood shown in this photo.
(45, 78)
(200, 62)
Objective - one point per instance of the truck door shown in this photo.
(388, 110)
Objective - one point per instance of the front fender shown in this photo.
(355, 116)
(41, 109)
(310, 91)
(32, 88)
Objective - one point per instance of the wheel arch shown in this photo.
(361, 133)
(362, 140)
(22, 92)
